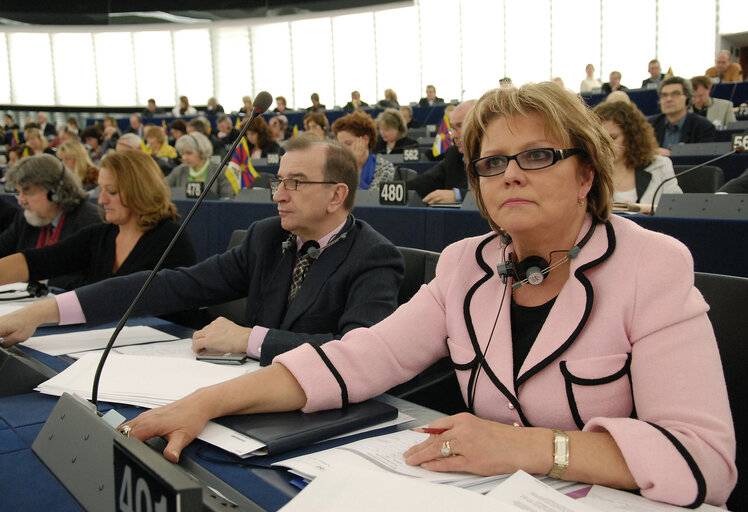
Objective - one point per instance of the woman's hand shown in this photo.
(20, 325)
(483, 447)
(179, 422)
(360, 150)
(221, 335)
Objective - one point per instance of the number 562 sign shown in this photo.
(740, 142)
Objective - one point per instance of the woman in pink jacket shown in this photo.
(582, 347)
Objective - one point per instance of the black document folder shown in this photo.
(284, 431)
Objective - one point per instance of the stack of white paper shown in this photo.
(141, 380)
(81, 341)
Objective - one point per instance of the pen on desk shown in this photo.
(427, 430)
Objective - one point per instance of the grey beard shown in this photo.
(34, 219)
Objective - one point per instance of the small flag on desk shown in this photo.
(443, 137)
(295, 131)
(15, 140)
(241, 165)
(669, 73)
(238, 124)
(164, 127)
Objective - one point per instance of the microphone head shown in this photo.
(262, 102)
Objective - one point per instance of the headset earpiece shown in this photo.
(56, 195)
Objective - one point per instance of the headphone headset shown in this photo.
(533, 269)
(312, 251)
(33, 289)
(55, 195)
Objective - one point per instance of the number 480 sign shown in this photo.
(393, 192)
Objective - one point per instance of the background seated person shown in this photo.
(716, 110)
(261, 140)
(213, 107)
(202, 125)
(638, 170)
(177, 128)
(151, 109)
(622, 315)
(316, 105)
(93, 137)
(280, 105)
(407, 112)
(278, 124)
(246, 105)
(393, 133)
(47, 128)
(357, 132)
(140, 223)
(614, 83)
(197, 165)
(54, 207)
(590, 84)
(737, 185)
(75, 158)
(352, 283)
(446, 182)
(431, 99)
(227, 134)
(37, 142)
(184, 108)
(129, 141)
(724, 69)
(390, 100)
(162, 152)
(676, 124)
(316, 123)
(355, 102)
(655, 75)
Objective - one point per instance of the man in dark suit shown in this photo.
(655, 75)
(353, 276)
(54, 206)
(48, 129)
(430, 100)
(136, 125)
(676, 124)
(446, 182)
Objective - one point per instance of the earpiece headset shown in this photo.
(312, 251)
(533, 269)
(55, 195)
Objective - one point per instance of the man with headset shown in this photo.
(311, 274)
(676, 124)
(54, 206)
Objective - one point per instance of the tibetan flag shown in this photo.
(669, 73)
(238, 124)
(15, 140)
(25, 152)
(229, 172)
(443, 137)
(242, 166)
(164, 127)
(295, 131)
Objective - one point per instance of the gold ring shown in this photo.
(126, 430)
(446, 450)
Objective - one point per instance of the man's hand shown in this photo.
(221, 335)
(440, 196)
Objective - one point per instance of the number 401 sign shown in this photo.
(136, 490)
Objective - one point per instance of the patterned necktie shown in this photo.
(302, 267)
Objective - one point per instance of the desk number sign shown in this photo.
(194, 189)
(137, 490)
(273, 158)
(740, 140)
(393, 193)
(411, 155)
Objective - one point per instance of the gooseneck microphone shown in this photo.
(738, 149)
(261, 104)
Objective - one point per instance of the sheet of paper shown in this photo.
(80, 341)
(613, 500)
(141, 380)
(383, 453)
(525, 492)
(181, 349)
(346, 488)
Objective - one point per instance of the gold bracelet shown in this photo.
(560, 454)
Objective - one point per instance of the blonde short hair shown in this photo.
(565, 117)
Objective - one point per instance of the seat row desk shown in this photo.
(717, 245)
(26, 483)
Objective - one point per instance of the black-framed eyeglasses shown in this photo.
(529, 160)
(293, 183)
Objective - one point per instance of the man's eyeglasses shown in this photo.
(673, 94)
(530, 160)
(293, 183)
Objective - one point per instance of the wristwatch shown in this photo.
(560, 454)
